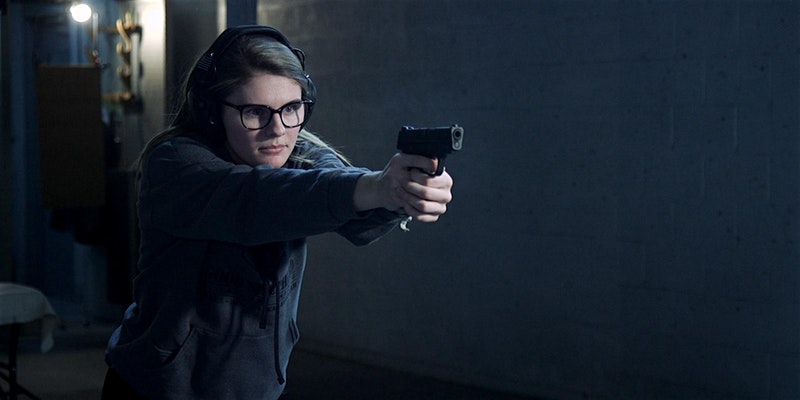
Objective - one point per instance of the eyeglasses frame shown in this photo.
(241, 107)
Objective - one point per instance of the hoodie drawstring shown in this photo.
(277, 255)
(271, 287)
(281, 378)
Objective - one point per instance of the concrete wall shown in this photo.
(625, 217)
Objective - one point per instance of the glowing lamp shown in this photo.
(80, 12)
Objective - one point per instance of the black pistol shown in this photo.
(431, 142)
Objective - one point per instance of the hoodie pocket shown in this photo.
(213, 366)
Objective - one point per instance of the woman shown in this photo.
(227, 196)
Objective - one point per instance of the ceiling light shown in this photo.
(80, 12)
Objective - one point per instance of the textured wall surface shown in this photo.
(625, 217)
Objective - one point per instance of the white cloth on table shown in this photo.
(20, 304)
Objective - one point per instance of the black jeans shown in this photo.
(115, 388)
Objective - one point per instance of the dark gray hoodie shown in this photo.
(222, 257)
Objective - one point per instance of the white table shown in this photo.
(28, 312)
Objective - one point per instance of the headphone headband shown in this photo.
(204, 70)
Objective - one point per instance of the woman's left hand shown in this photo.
(404, 186)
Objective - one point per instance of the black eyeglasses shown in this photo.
(257, 116)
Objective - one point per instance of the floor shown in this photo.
(74, 370)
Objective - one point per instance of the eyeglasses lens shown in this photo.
(257, 117)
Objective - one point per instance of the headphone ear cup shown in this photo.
(310, 94)
(198, 103)
(312, 90)
(205, 113)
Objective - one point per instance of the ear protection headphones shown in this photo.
(203, 106)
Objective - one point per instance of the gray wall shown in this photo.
(625, 213)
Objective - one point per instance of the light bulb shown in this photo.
(80, 12)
